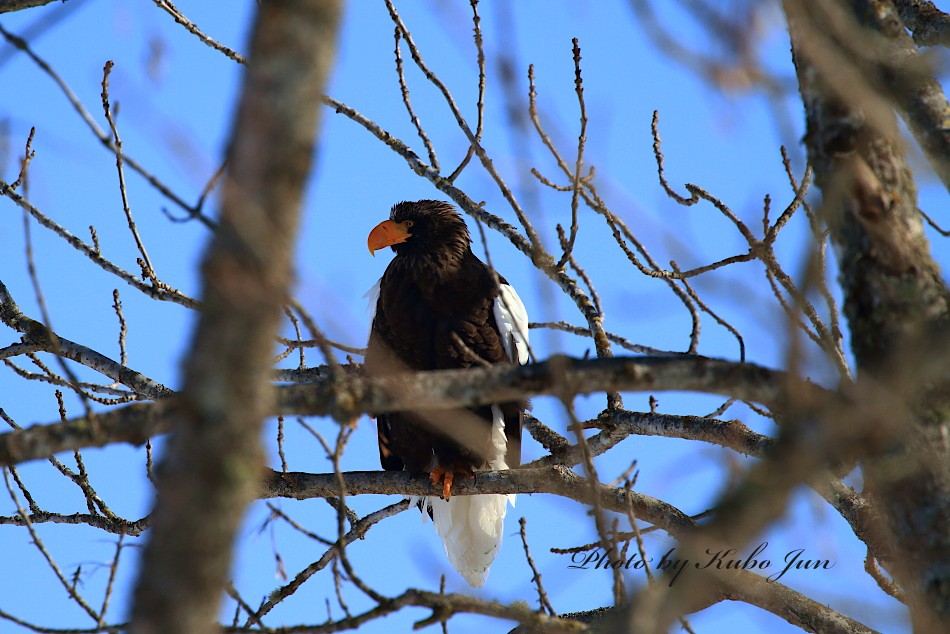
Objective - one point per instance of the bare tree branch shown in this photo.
(210, 470)
(350, 396)
(37, 336)
(929, 25)
(732, 584)
(7, 6)
(896, 302)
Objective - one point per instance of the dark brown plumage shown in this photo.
(436, 310)
(438, 306)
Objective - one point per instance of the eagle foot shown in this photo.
(446, 475)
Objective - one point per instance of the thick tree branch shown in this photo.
(7, 6)
(349, 396)
(929, 25)
(560, 376)
(912, 86)
(619, 424)
(556, 480)
(896, 302)
(212, 463)
(133, 424)
(797, 609)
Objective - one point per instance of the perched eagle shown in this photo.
(439, 307)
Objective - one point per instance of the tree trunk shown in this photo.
(849, 57)
(213, 462)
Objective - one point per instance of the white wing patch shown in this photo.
(372, 298)
(512, 321)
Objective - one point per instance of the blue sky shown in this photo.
(176, 98)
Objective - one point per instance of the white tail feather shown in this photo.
(471, 526)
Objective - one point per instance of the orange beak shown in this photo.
(386, 234)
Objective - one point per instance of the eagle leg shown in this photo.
(446, 475)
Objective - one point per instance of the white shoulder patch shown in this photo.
(372, 297)
(512, 321)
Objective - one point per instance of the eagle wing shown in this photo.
(387, 458)
(511, 319)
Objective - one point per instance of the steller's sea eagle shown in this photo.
(439, 307)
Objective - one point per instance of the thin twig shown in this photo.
(123, 329)
(404, 89)
(110, 583)
(117, 146)
(180, 18)
(87, 118)
(162, 293)
(28, 154)
(930, 221)
(543, 601)
(579, 162)
(35, 538)
(509, 196)
(357, 532)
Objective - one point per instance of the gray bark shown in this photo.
(896, 303)
(213, 462)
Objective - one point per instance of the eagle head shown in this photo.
(429, 232)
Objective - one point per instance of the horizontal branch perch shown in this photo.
(351, 395)
(557, 480)
(560, 376)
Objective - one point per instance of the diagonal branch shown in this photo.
(18, 5)
(36, 336)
